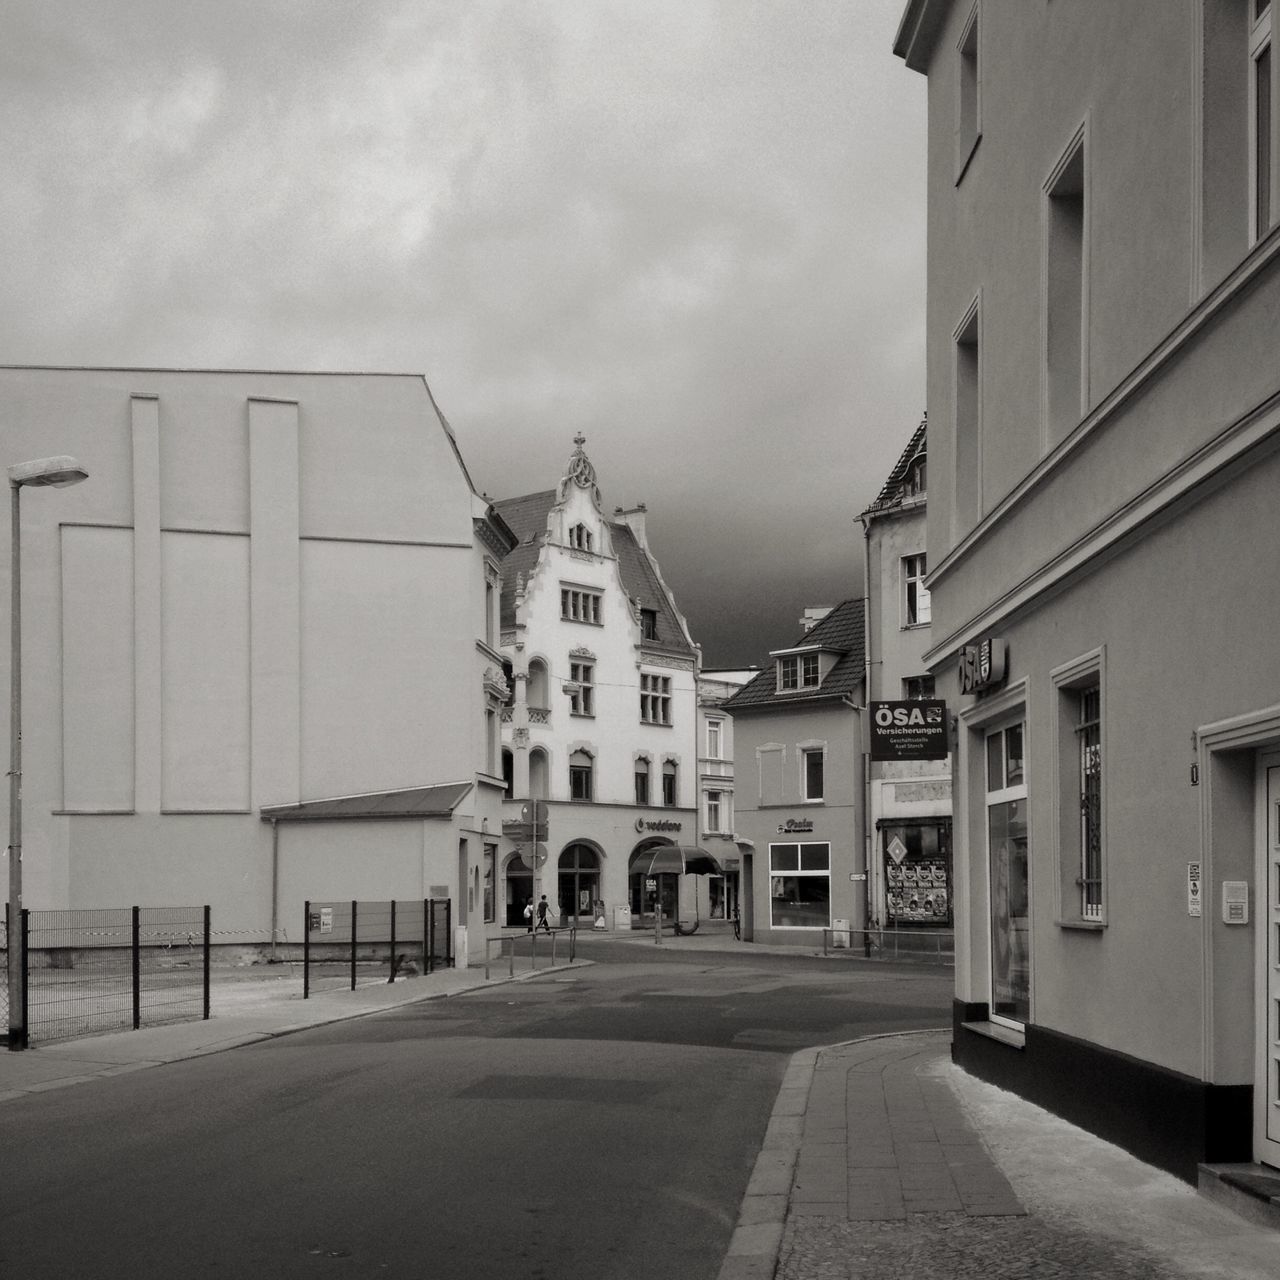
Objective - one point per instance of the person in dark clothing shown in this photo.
(543, 908)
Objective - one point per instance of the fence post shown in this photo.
(24, 925)
(512, 957)
(306, 949)
(428, 935)
(353, 944)
(573, 945)
(137, 973)
(208, 915)
(392, 976)
(448, 933)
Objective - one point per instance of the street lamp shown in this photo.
(43, 472)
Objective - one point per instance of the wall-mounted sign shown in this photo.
(1194, 898)
(982, 665)
(914, 730)
(665, 825)
(793, 825)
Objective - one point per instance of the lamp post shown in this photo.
(43, 472)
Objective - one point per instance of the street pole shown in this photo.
(17, 1031)
(57, 473)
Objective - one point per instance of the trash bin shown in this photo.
(839, 933)
(622, 917)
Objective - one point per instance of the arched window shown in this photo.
(580, 537)
(539, 690)
(581, 776)
(539, 775)
(508, 772)
(669, 789)
(578, 883)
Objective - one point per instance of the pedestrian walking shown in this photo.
(528, 915)
(543, 908)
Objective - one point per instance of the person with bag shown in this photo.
(528, 915)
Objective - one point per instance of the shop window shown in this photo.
(1007, 879)
(581, 775)
(917, 608)
(917, 865)
(578, 884)
(800, 886)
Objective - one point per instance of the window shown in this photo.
(581, 770)
(491, 741)
(1066, 266)
(913, 485)
(490, 607)
(713, 739)
(655, 699)
(967, 448)
(916, 688)
(580, 605)
(798, 672)
(582, 697)
(490, 870)
(580, 537)
(1079, 800)
(800, 886)
(1261, 166)
(648, 624)
(642, 780)
(812, 763)
(713, 811)
(916, 607)
(669, 783)
(1009, 902)
(968, 113)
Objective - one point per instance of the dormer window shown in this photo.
(580, 537)
(913, 485)
(648, 624)
(799, 671)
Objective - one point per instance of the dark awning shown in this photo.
(438, 801)
(677, 859)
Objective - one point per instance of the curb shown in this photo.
(756, 1242)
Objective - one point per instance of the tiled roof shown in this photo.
(527, 518)
(891, 492)
(841, 630)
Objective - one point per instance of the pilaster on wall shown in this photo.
(274, 602)
(144, 411)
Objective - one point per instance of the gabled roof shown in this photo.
(890, 494)
(840, 631)
(437, 801)
(527, 518)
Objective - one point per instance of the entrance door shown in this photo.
(1266, 1089)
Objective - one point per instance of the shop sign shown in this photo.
(794, 825)
(915, 730)
(1193, 889)
(643, 825)
(982, 665)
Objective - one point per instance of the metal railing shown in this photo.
(891, 944)
(349, 944)
(509, 944)
(110, 969)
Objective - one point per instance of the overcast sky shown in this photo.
(693, 230)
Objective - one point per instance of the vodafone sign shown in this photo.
(914, 730)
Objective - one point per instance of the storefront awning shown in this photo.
(677, 859)
(437, 801)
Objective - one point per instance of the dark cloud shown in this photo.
(693, 231)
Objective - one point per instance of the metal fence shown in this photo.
(109, 969)
(937, 945)
(347, 944)
(524, 946)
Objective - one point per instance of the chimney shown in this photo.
(812, 617)
(633, 518)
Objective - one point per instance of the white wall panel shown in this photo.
(97, 668)
(205, 726)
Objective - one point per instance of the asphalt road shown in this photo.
(597, 1124)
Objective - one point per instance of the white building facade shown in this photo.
(604, 720)
(260, 646)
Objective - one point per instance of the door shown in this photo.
(1266, 1091)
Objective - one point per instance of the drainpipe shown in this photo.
(867, 825)
(275, 886)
